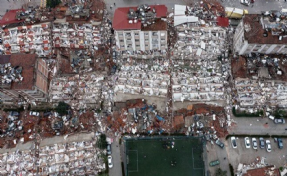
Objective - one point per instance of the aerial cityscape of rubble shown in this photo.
(212, 70)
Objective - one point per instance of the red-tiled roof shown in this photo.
(10, 17)
(121, 22)
(222, 21)
(264, 171)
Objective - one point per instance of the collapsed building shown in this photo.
(199, 56)
(31, 39)
(261, 34)
(140, 28)
(136, 80)
(76, 36)
(23, 78)
(80, 91)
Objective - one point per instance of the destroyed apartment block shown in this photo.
(80, 91)
(23, 77)
(261, 34)
(141, 28)
(132, 80)
(75, 158)
(74, 36)
(252, 93)
(199, 42)
(31, 39)
(186, 87)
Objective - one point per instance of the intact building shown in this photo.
(23, 77)
(261, 34)
(141, 28)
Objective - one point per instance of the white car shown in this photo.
(245, 2)
(110, 162)
(268, 146)
(33, 113)
(247, 142)
(233, 142)
(254, 143)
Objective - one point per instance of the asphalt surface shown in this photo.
(16, 4)
(244, 155)
(117, 168)
(254, 125)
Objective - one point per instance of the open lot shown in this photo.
(244, 155)
(156, 156)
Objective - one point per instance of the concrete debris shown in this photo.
(80, 91)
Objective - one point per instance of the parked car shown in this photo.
(219, 143)
(268, 146)
(233, 142)
(109, 149)
(214, 163)
(262, 143)
(33, 113)
(110, 162)
(245, 2)
(254, 143)
(247, 142)
(280, 143)
(46, 114)
(14, 113)
(279, 121)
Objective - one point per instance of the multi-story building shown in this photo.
(141, 28)
(261, 34)
(23, 76)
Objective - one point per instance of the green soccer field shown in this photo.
(156, 157)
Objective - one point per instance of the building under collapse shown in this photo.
(141, 28)
(32, 39)
(23, 77)
(261, 34)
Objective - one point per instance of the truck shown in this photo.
(232, 12)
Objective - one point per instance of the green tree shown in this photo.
(62, 108)
(220, 172)
(52, 3)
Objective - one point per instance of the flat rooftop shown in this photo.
(27, 62)
(255, 34)
(121, 21)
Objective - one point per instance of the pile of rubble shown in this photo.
(136, 116)
(8, 73)
(80, 91)
(28, 39)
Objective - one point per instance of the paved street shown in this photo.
(256, 126)
(258, 6)
(16, 4)
(117, 169)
